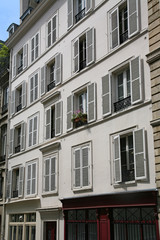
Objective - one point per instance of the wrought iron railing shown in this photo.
(20, 68)
(123, 36)
(18, 149)
(82, 64)
(51, 86)
(15, 194)
(4, 108)
(19, 107)
(52, 133)
(122, 104)
(127, 175)
(2, 158)
(80, 15)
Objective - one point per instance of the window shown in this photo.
(51, 74)
(31, 178)
(81, 167)
(83, 50)
(5, 99)
(50, 229)
(122, 87)
(53, 120)
(35, 47)
(34, 88)
(124, 22)
(129, 156)
(81, 107)
(77, 10)
(50, 174)
(18, 98)
(22, 226)
(52, 31)
(3, 142)
(33, 131)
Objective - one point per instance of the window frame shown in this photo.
(52, 30)
(34, 47)
(31, 179)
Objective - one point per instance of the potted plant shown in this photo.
(79, 118)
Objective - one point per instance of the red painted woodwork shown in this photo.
(104, 225)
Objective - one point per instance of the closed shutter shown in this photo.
(12, 102)
(48, 123)
(43, 80)
(53, 173)
(31, 89)
(91, 97)
(85, 167)
(23, 94)
(25, 56)
(76, 56)
(54, 29)
(114, 28)
(70, 13)
(139, 154)
(88, 6)
(35, 130)
(106, 95)
(32, 49)
(9, 184)
(21, 177)
(34, 179)
(90, 46)
(58, 69)
(11, 141)
(133, 18)
(136, 81)
(117, 160)
(69, 112)
(49, 33)
(35, 86)
(30, 132)
(58, 118)
(29, 179)
(77, 168)
(23, 135)
(47, 168)
(14, 66)
(37, 45)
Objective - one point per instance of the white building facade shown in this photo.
(81, 155)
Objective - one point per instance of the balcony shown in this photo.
(50, 86)
(80, 15)
(15, 194)
(122, 104)
(20, 68)
(4, 108)
(123, 37)
(52, 133)
(18, 149)
(82, 64)
(19, 107)
(2, 158)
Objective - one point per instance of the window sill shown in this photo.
(88, 188)
(49, 194)
(122, 184)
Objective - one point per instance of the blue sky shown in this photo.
(9, 13)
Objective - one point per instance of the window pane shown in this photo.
(80, 231)
(92, 231)
(27, 233)
(20, 233)
(33, 233)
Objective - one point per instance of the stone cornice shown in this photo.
(153, 56)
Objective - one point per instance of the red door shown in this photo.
(50, 230)
(104, 225)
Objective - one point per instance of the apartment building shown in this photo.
(81, 154)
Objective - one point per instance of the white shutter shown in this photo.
(58, 68)
(133, 18)
(28, 190)
(136, 81)
(35, 130)
(58, 118)
(31, 89)
(91, 97)
(25, 56)
(43, 80)
(117, 160)
(89, 5)
(9, 184)
(47, 168)
(139, 154)
(34, 178)
(12, 102)
(21, 177)
(54, 29)
(76, 55)
(70, 13)
(53, 173)
(49, 25)
(69, 112)
(106, 95)
(11, 141)
(23, 135)
(48, 123)
(77, 168)
(24, 94)
(114, 28)
(90, 46)
(37, 45)
(85, 167)
(14, 66)
(30, 137)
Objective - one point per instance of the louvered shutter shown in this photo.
(70, 13)
(14, 66)
(133, 18)
(12, 102)
(35, 130)
(69, 112)
(77, 168)
(43, 80)
(58, 69)
(35, 86)
(115, 28)
(29, 179)
(88, 6)
(91, 97)
(23, 135)
(48, 123)
(76, 55)
(24, 94)
(30, 132)
(49, 33)
(34, 170)
(139, 154)
(9, 184)
(31, 89)
(54, 29)
(106, 95)
(117, 160)
(136, 81)
(58, 118)
(37, 45)
(11, 141)
(25, 56)
(47, 168)
(53, 173)
(90, 46)
(21, 177)
(85, 167)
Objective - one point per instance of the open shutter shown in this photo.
(48, 123)
(12, 102)
(11, 141)
(25, 56)
(85, 167)
(53, 173)
(90, 46)
(106, 95)
(69, 112)
(133, 18)
(77, 169)
(23, 136)
(114, 28)
(21, 177)
(43, 80)
(58, 118)
(88, 6)
(49, 33)
(14, 66)
(136, 81)
(34, 178)
(30, 132)
(28, 180)
(117, 160)
(23, 94)
(76, 55)
(70, 13)
(9, 184)
(35, 130)
(58, 69)
(91, 97)
(54, 29)
(139, 154)
(46, 174)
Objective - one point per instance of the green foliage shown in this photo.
(4, 57)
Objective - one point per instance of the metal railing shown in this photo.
(15, 194)
(20, 68)
(123, 36)
(2, 158)
(51, 86)
(18, 149)
(122, 104)
(80, 15)
(19, 107)
(4, 108)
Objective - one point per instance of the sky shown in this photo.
(9, 13)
